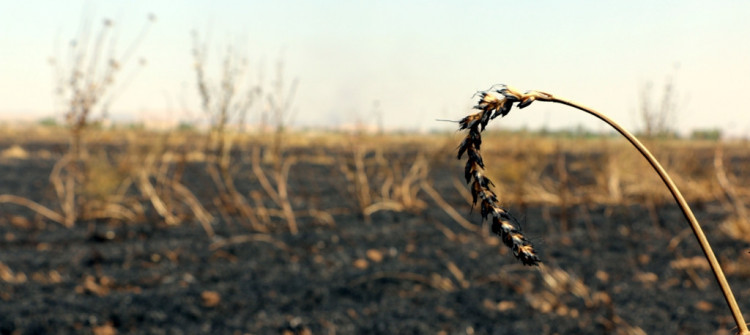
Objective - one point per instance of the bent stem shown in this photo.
(715, 267)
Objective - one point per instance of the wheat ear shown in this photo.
(502, 223)
(498, 102)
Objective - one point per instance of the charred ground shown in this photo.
(612, 267)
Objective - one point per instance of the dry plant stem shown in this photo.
(283, 194)
(231, 198)
(200, 212)
(148, 190)
(238, 200)
(730, 192)
(42, 210)
(280, 195)
(362, 184)
(435, 195)
(418, 172)
(65, 188)
(715, 267)
(385, 205)
(112, 211)
(359, 185)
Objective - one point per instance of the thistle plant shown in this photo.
(498, 101)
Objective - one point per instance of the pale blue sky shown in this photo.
(421, 60)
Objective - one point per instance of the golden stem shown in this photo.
(715, 267)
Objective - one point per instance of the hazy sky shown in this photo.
(420, 60)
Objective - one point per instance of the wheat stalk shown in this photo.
(498, 102)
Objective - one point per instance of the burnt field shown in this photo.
(386, 240)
